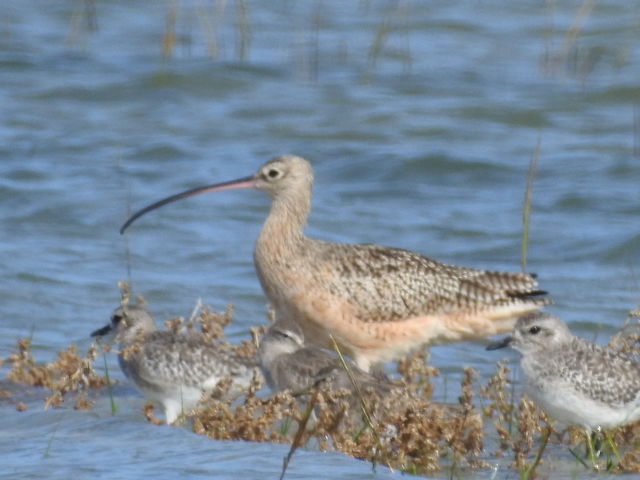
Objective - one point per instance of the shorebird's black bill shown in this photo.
(246, 182)
(101, 332)
(505, 342)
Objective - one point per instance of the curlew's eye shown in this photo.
(273, 174)
(534, 330)
(116, 319)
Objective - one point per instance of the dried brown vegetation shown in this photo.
(210, 325)
(68, 375)
(409, 432)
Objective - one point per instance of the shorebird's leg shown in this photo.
(612, 445)
(591, 453)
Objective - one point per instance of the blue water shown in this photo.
(419, 119)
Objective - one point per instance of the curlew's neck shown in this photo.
(283, 229)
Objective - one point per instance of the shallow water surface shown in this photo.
(420, 121)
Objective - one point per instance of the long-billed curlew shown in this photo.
(171, 369)
(377, 302)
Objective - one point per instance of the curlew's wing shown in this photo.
(391, 284)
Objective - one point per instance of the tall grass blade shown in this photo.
(112, 401)
(363, 404)
(53, 434)
(526, 209)
(297, 440)
(530, 471)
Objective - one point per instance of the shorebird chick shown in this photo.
(171, 369)
(287, 364)
(575, 381)
(377, 302)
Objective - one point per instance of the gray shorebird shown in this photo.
(377, 302)
(575, 381)
(288, 364)
(171, 369)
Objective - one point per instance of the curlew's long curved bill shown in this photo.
(246, 182)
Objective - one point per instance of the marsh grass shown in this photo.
(47, 449)
(242, 30)
(83, 22)
(576, 55)
(297, 438)
(529, 471)
(364, 407)
(112, 400)
(68, 375)
(526, 208)
(214, 21)
(394, 20)
(169, 36)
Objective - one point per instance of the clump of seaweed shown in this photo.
(251, 420)
(519, 427)
(69, 373)
(530, 422)
(207, 323)
(408, 431)
(500, 406)
(416, 374)
(627, 339)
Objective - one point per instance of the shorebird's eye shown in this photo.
(273, 173)
(534, 330)
(282, 333)
(116, 319)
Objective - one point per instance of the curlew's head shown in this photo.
(127, 322)
(535, 332)
(287, 176)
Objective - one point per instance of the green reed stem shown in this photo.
(363, 404)
(114, 407)
(53, 434)
(297, 439)
(529, 472)
(526, 209)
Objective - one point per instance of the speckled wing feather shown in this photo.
(596, 371)
(313, 367)
(299, 370)
(393, 284)
(187, 360)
